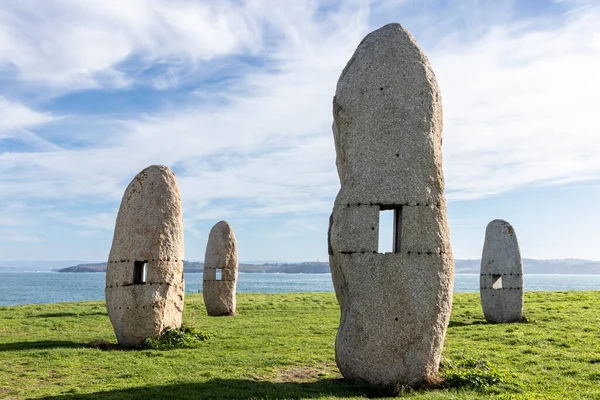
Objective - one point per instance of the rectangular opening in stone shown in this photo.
(386, 231)
(219, 274)
(496, 281)
(390, 229)
(140, 270)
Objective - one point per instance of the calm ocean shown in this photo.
(54, 287)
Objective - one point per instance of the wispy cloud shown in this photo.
(518, 105)
(86, 45)
(15, 116)
(276, 129)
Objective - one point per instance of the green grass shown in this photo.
(281, 347)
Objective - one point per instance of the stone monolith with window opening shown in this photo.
(220, 271)
(501, 279)
(387, 129)
(144, 277)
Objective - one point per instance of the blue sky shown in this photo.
(235, 96)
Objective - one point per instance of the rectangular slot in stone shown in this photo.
(390, 229)
(219, 274)
(496, 281)
(140, 271)
(386, 231)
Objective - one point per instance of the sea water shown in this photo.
(55, 287)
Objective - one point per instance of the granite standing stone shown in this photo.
(387, 128)
(501, 280)
(144, 277)
(220, 271)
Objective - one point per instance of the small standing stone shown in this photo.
(220, 271)
(144, 277)
(501, 280)
(387, 130)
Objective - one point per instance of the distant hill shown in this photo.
(531, 266)
(191, 267)
(98, 267)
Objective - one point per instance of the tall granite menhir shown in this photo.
(220, 271)
(501, 279)
(387, 128)
(144, 277)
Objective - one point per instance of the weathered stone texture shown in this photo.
(149, 228)
(387, 128)
(221, 254)
(501, 280)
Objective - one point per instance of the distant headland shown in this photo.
(191, 267)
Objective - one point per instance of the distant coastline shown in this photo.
(191, 267)
(531, 266)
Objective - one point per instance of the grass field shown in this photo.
(280, 346)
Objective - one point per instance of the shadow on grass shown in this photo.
(53, 344)
(466, 323)
(235, 389)
(45, 344)
(70, 314)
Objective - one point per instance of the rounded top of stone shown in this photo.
(160, 175)
(391, 25)
(223, 226)
(393, 28)
(501, 253)
(221, 248)
(500, 226)
(221, 235)
(390, 30)
(159, 166)
(387, 47)
(157, 169)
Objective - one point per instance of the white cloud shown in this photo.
(15, 116)
(15, 119)
(76, 45)
(167, 80)
(519, 106)
(277, 131)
